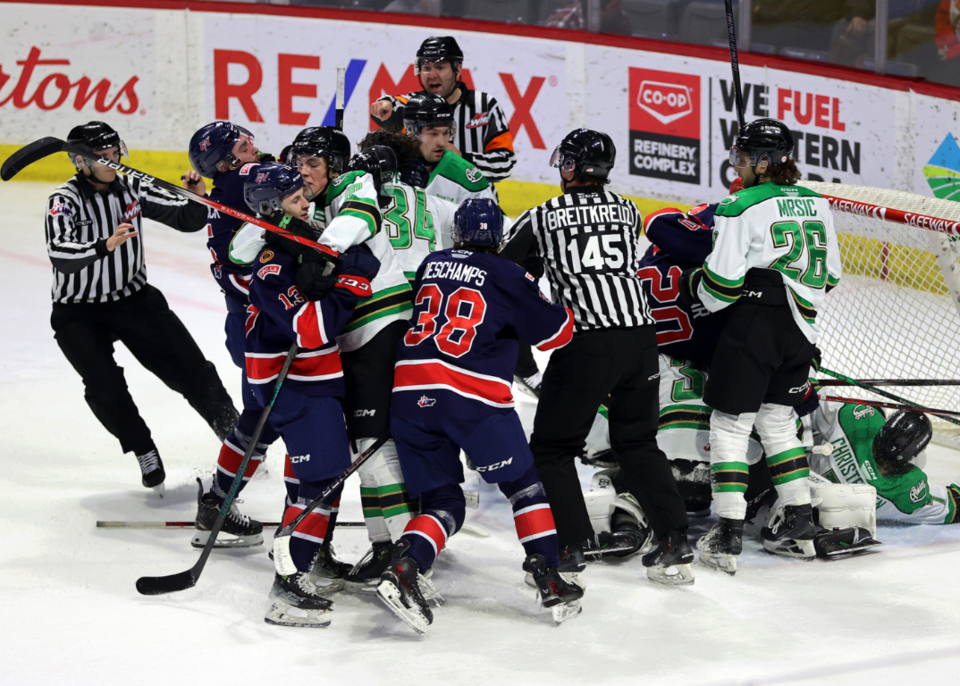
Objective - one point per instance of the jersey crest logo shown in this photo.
(474, 175)
(268, 270)
(266, 256)
(426, 402)
(918, 492)
(529, 277)
(730, 199)
(60, 208)
(479, 119)
(133, 210)
(245, 169)
(861, 411)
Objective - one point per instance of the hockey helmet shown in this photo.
(901, 439)
(591, 153)
(439, 49)
(377, 160)
(427, 109)
(327, 142)
(97, 135)
(213, 145)
(269, 184)
(764, 139)
(478, 223)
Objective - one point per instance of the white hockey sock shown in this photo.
(786, 458)
(729, 472)
(386, 504)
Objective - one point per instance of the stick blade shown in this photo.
(28, 154)
(159, 585)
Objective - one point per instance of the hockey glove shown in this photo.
(415, 174)
(265, 157)
(358, 268)
(689, 285)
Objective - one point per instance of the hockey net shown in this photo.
(896, 311)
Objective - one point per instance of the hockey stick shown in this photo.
(282, 559)
(157, 585)
(341, 89)
(125, 524)
(890, 382)
(886, 394)
(892, 406)
(48, 146)
(734, 61)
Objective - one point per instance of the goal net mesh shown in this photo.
(896, 311)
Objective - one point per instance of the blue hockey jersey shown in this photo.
(469, 310)
(680, 241)
(233, 278)
(278, 315)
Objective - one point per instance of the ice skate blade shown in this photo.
(326, 585)
(565, 612)
(227, 540)
(725, 563)
(160, 489)
(390, 596)
(361, 587)
(674, 575)
(802, 550)
(283, 614)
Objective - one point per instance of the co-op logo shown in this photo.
(665, 102)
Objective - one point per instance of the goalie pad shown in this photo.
(840, 506)
(619, 524)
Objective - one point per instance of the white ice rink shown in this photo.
(71, 614)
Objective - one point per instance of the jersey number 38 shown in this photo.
(464, 312)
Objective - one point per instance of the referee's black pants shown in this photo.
(624, 364)
(158, 339)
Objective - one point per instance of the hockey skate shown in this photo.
(671, 562)
(152, 473)
(328, 572)
(399, 589)
(529, 384)
(790, 532)
(721, 545)
(554, 592)
(601, 459)
(365, 575)
(243, 531)
(295, 601)
(832, 543)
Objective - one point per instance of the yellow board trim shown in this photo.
(169, 166)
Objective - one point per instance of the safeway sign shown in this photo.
(665, 125)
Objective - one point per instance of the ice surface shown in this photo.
(70, 613)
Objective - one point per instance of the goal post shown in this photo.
(896, 312)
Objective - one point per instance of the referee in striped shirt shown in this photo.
(587, 241)
(101, 295)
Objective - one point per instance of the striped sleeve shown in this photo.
(357, 215)
(726, 267)
(68, 250)
(497, 159)
(171, 209)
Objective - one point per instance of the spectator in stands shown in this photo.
(838, 30)
(573, 16)
(948, 29)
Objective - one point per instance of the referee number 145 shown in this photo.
(595, 252)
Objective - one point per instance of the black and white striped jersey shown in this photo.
(79, 222)
(588, 241)
(483, 134)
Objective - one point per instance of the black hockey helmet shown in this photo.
(327, 142)
(761, 139)
(439, 49)
(591, 153)
(901, 439)
(427, 109)
(97, 135)
(377, 160)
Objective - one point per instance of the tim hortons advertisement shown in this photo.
(271, 75)
(59, 67)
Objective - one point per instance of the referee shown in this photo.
(587, 241)
(101, 295)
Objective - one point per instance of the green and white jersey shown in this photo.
(906, 497)
(455, 180)
(416, 224)
(785, 228)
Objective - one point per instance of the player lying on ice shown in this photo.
(292, 299)
(452, 391)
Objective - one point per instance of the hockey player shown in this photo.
(482, 135)
(226, 153)
(774, 257)
(101, 295)
(887, 454)
(292, 300)
(452, 391)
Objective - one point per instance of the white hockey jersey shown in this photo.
(416, 224)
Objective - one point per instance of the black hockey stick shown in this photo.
(282, 559)
(890, 382)
(158, 585)
(734, 60)
(892, 406)
(886, 394)
(127, 524)
(48, 146)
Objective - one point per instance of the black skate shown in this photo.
(152, 473)
(365, 575)
(244, 532)
(791, 532)
(671, 562)
(832, 543)
(721, 545)
(555, 592)
(295, 601)
(328, 572)
(399, 589)
(627, 538)
(530, 384)
(601, 459)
